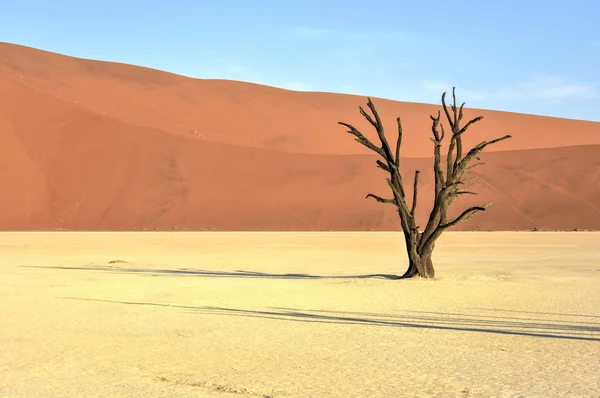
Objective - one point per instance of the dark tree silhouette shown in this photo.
(448, 186)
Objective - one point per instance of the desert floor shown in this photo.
(181, 314)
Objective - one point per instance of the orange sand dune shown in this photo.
(97, 145)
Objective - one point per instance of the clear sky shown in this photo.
(530, 56)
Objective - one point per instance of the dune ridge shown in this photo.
(98, 145)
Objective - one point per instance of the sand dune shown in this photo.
(97, 145)
(246, 315)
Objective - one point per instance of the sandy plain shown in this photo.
(182, 314)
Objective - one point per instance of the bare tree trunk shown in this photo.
(419, 264)
(414, 260)
(427, 270)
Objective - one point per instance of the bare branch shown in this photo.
(398, 143)
(469, 124)
(453, 184)
(466, 193)
(402, 206)
(472, 167)
(398, 178)
(414, 202)
(453, 121)
(437, 158)
(362, 139)
(454, 105)
(368, 117)
(496, 140)
(450, 121)
(482, 145)
(380, 199)
(452, 159)
(464, 216)
(449, 160)
(380, 132)
(460, 113)
(385, 151)
(434, 125)
(459, 134)
(383, 166)
(476, 150)
(459, 140)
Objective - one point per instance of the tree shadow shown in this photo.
(541, 328)
(535, 312)
(217, 274)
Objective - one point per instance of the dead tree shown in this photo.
(448, 186)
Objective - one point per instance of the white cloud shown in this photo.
(555, 88)
(539, 87)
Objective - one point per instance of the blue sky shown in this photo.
(530, 56)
